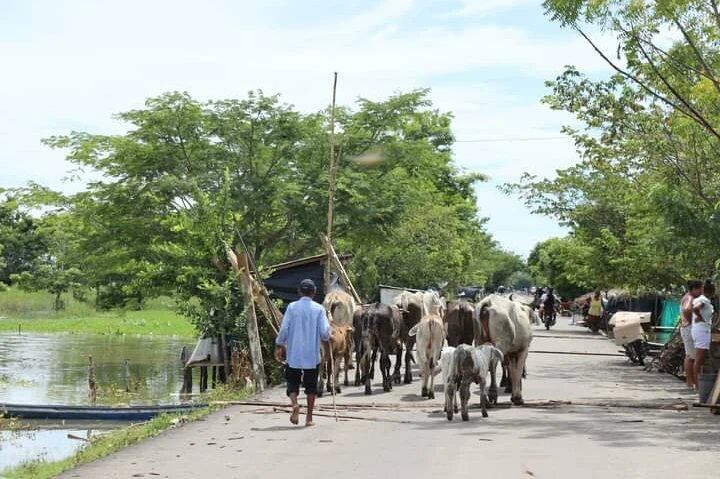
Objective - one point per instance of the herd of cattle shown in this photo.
(479, 336)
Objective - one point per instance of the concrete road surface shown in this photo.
(411, 438)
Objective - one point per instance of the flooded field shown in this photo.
(52, 369)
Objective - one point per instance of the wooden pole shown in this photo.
(127, 376)
(92, 384)
(225, 356)
(252, 326)
(332, 180)
(332, 379)
(203, 378)
(187, 385)
(334, 260)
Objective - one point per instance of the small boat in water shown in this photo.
(99, 413)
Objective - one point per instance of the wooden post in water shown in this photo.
(187, 385)
(203, 378)
(92, 393)
(127, 376)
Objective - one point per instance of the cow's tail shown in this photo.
(413, 331)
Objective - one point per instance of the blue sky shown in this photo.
(70, 65)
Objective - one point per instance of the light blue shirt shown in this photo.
(304, 325)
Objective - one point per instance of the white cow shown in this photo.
(430, 335)
(464, 365)
(505, 324)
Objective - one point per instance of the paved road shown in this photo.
(568, 441)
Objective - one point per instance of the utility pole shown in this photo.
(332, 186)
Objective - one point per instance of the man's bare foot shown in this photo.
(295, 416)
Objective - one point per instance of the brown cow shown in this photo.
(341, 343)
(379, 332)
(459, 323)
(410, 306)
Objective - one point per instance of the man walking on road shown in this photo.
(304, 325)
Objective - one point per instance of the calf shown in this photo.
(340, 346)
(379, 332)
(459, 323)
(467, 364)
(430, 336)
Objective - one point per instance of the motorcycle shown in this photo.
(629, 333)
(548, 317)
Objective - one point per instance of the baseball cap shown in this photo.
(307, 286)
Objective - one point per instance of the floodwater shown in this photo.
(53, 369)
(46, 441)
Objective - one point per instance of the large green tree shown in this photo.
(644, 196)
(191, 177)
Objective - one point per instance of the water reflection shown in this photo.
(52, 368)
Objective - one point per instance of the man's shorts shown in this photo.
(701, 335)
(308, 378)
(686, 334)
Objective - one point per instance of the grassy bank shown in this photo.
(111, 442)
(33, 312)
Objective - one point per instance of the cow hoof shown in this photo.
(368, 391)
(408, 380)
(424, 392)
(484, 413)
(456, 409)
(492, 396)
(518, 401)
(337, 390)
(465, 416)
(346, 383)
(431, 395)
(387, 389)
(320, 393)
(450, 416)
(396, 379)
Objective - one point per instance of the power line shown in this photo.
(495, 140)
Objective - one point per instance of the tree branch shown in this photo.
(698, 54)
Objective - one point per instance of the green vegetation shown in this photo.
(34, 312)
(107, 443)
(643, 204)
(191, 177)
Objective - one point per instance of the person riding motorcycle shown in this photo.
(548, 303)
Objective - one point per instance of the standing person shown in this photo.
(686, 313)
(595, 311)
(702, 324)
(304, 325)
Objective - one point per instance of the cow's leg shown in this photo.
(483, 397)
(348, 364)
(358, 358)
(464, 399)
(508, 373)
(372, 362)
(364, 366)
(493, 391)
(336, 377)
(518, 362)
(425, 374)
(408, 360)
(321, 379)
(398, 361)
(431, 387)
(450, 407)
(385, 371)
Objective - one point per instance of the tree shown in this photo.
(190, 178)
(20, 243)
(647, 184)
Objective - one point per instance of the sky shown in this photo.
(71, 65)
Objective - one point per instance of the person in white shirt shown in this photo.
(702, 323)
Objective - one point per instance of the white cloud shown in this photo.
(73, 64)
(484, 7)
